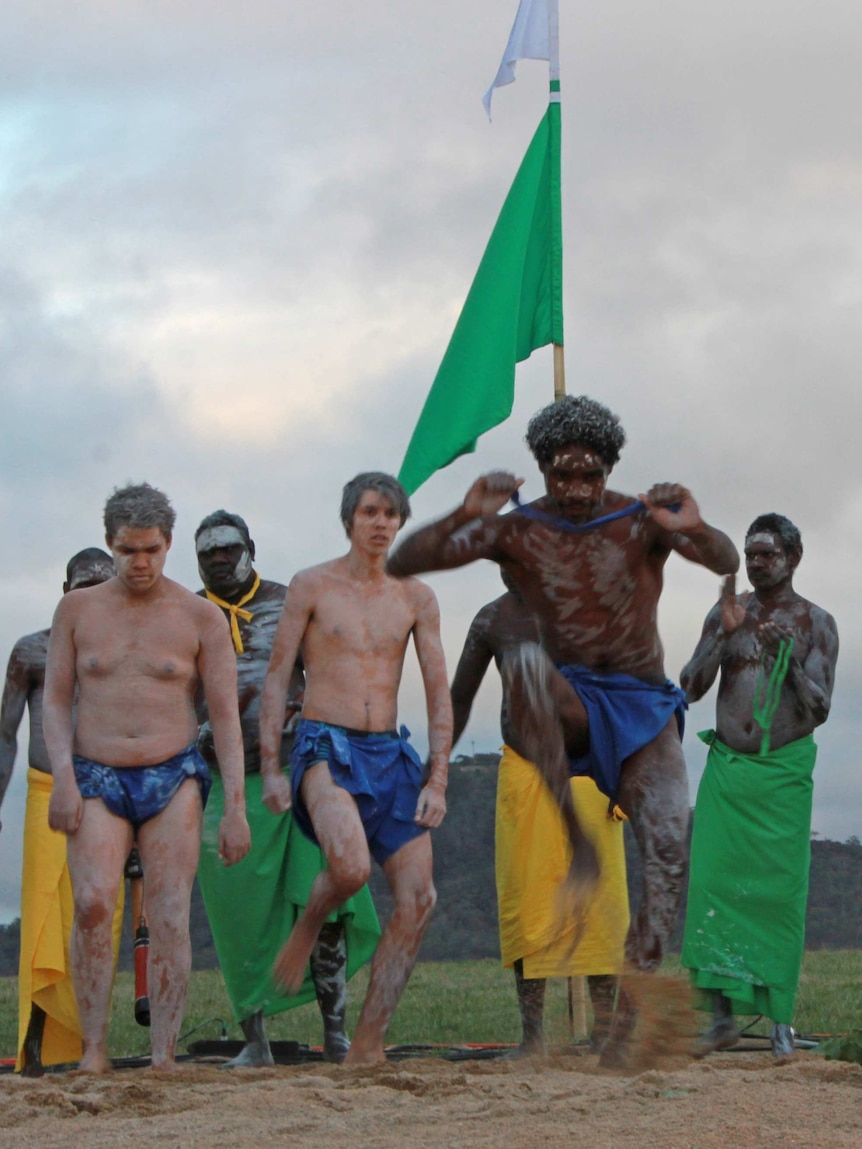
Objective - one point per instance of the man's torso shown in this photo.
(136, 669)
(257, 635)
(353, 648)
(742, 677)
(32, 651)
(594, 594)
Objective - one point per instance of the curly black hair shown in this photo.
(780, 525)
(575, 420)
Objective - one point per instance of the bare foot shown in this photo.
(93, 1062)
(357, 1056)
(289, 968)
(166, 1065)
(254, 1055)
(723, 1033)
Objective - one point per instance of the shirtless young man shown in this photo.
(531, 848)
(48, 1029)
(268, 890)
(356, 784)
(593, 698)
(136, 647)
(750, 851)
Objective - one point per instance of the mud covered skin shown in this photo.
(225, 559)
(353, 622)
(135, 649)
(742, 636)
(24, 687)
(594, 596)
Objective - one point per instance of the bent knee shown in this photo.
(418, 902)
(94, 907)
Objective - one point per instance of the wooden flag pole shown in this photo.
(559, 372)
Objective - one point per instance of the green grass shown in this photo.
(451, 1003)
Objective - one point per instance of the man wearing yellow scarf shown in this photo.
(49, 1031)
(266, 892)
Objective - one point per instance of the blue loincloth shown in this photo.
(625, 714)
(138, 793)
(381, 771)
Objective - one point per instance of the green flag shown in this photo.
(514, 306)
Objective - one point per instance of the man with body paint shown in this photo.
(592, 697)
(356, 783)
(750, 850)
(532, 849)
(49, 1031)
(137, 648)
(270, 886)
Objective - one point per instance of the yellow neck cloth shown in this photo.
(236, 612)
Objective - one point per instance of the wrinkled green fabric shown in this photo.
(253, 905)
(514, 306)
(748, 881)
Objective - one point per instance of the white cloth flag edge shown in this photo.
(529, 40)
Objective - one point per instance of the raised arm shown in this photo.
(474, 661)
(725, 617)
(295, 616)
(66, 806)
(810, 682)
(12, 711)
(431, 806)
(217, 671)
(690, 535)
(467, 533)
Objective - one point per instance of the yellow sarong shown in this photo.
(532, 859)
(47, 910)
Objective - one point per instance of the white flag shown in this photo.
(529, 40)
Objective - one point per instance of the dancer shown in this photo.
(593, 698)
(532, 849)
(750, 850)
(49, 1031)
(356, 782)
(269, 888)
(137, 647)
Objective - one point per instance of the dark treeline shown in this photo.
(464, 925)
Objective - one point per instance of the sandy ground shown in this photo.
(732, 1101)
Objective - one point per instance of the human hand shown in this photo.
(276, 793)
(234, 836)
(659, 500)
(431, 806)
(772, 636)
(732, 611)
(490, 493)
(66, 806)
(205, 741)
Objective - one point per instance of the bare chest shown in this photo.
(363, 623)
(132, 650)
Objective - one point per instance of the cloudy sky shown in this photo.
(236, 239)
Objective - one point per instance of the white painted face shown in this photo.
(766, 562)
(575, 480)
(224, 560)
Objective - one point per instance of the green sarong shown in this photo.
(253, 905)
(748, 881)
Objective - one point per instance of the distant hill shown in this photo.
(464, 925)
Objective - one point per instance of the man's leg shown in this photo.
(97, 853)
(551, 724)
(408, 872)
(603, 992)
(328, 972)
(31, 1052)
(256, 1052)
(341, 836)
(723, 1032)
(169, 845)
(531, 1006)
(654, 795)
